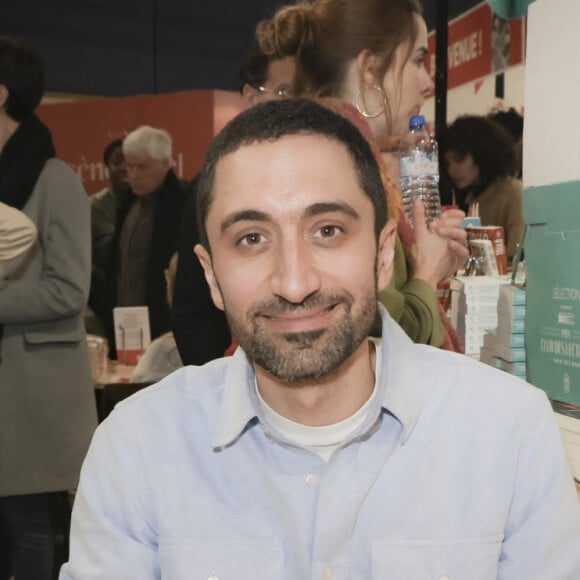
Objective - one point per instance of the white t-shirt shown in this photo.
(321, 440)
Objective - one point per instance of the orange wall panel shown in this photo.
(81, 130)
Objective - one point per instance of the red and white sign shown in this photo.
(81, 130)
(479, 43)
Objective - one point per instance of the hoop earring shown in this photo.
(360, 102)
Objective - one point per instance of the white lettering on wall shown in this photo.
(464, 50)
(90, 171)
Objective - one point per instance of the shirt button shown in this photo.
(328, 574)
(311, 480)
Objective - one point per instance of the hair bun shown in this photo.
(284, 35)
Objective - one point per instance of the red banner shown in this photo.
(479, 43)
(82, 129)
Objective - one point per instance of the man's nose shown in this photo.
(295, 275)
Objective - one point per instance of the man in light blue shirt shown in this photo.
(329, 446)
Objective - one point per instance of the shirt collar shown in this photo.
(401, 390)
(238, 406)
(403, 386)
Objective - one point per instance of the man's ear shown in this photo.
(249, 94)
(205, 261)
(386, 254)
(367, 64)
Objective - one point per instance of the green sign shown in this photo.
(510, 8)
(552, 325)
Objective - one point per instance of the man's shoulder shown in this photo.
(57, 171)
(459, 377)
(186, 394)
(58, 182)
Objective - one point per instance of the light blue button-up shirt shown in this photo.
(459, 472)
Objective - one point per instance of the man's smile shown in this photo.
(300, 320)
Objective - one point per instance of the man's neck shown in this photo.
(327, 400)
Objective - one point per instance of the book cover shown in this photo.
(495, 235)
(482, 252)
(132, 332)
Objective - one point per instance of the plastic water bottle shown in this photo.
(419, 166)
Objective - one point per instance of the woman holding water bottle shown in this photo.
(366, 59)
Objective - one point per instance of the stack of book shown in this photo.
(504, 347)
(474, 308)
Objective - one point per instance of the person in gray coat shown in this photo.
(47, 404)
(17, 235)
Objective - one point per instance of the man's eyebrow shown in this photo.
(329, 207)
(244, 215)
(311, 211)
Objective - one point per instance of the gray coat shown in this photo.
(47, 404)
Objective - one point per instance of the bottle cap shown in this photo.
(416, 121)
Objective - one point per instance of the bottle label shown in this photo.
(413, 167)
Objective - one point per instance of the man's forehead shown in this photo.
(308, 156)
(286, 147)
(291, 172)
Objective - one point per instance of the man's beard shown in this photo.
(300, 356)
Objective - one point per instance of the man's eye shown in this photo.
(328, 231)
(250, 240)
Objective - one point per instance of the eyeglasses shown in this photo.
(282, 92)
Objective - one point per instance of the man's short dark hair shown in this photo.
(22, 73)
(254, 70)
(110, 148)
(273, 120)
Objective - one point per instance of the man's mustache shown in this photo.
(280, 305)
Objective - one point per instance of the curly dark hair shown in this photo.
(490, 145)
(510, 120)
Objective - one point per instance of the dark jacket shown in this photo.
(200, 329)
(164, 243)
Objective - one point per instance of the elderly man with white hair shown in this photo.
(145, 233)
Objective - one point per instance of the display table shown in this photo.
(113, 385)
(115, 373)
